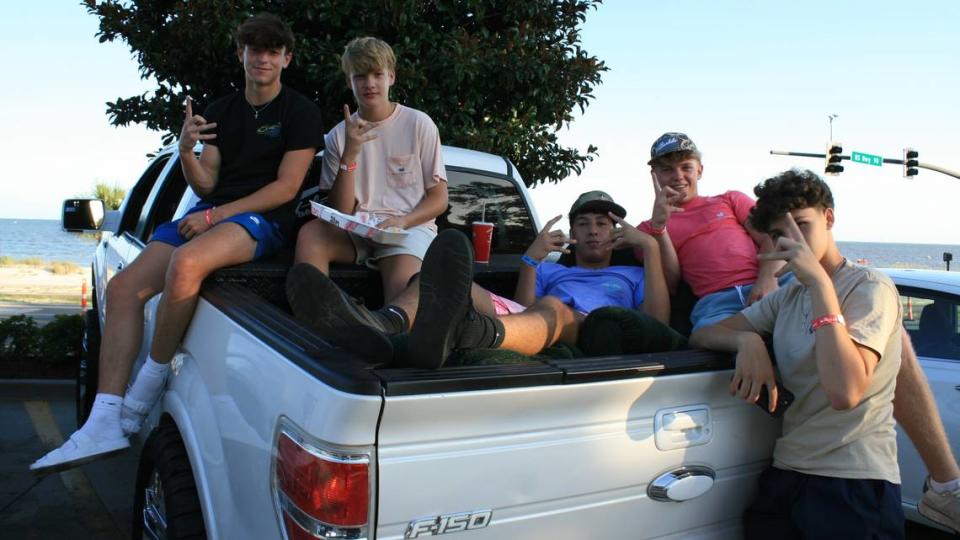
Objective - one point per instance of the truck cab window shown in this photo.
(475, 196)
(134, 204)
(932, 321)
(162, 202)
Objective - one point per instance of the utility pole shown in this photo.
(830, 118)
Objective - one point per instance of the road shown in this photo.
(92, 502)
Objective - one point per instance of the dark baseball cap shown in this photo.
(671, 142)
(596, 202)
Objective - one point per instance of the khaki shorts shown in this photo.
(416, 244)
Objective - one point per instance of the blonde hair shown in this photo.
(365, 54)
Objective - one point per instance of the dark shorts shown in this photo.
(265, 232)
(792, 505)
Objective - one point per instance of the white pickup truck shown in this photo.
(267, 431)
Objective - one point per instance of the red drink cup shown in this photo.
(482, 238)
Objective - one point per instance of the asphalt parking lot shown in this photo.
(94, 501)
(91, 502)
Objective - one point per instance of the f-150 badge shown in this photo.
(448, 523)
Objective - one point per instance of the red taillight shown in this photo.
(324, 487)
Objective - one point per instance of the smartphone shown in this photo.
(784, 400)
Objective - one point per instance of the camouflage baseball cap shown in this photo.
(595, 202)
(669, 143)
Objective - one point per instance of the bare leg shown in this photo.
(127, 293)
(224, 245)
(396, 272)
(544, 323)
(915, 409)
(320, 243)
(409, 300)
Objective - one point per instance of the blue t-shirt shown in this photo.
(586, 289)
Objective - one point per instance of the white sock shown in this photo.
(148, 383)
(104, 421)
(945, 487)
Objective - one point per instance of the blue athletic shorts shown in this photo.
(265, 232)
(724, 303)
(792, 505)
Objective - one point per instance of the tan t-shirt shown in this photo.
(858, 443)
(395, 170)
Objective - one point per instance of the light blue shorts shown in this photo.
(717, 306)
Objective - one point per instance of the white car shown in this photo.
(931, 305)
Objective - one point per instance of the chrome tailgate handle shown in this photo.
(682, 484)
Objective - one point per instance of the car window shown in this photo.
(475, 196)
(162, 202)
(133, 204)
(932, 320)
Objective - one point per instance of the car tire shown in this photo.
(166, 503)
(88, 363)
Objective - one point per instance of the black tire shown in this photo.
(166, 496)
(88, 363)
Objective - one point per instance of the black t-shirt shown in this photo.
(252, 145)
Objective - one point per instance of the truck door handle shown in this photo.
(681, 484)
(682, 427)
(682, 421)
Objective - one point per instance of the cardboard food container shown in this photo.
(355, 225)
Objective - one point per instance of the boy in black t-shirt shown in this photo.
(258, 145)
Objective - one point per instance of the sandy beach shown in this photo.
(38, 284)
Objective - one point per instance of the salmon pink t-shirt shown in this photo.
(713, 246)
(395, 170)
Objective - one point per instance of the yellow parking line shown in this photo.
(88, 505)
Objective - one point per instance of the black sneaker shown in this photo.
(445, 281)
(316, 300)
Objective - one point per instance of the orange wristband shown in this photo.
(208, 215)
(347, 168)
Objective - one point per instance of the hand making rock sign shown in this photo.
(549, 241)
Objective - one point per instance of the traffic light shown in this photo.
(910, 162)
(832, 166)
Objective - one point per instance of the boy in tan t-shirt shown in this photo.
(382, 162)
(836, 336)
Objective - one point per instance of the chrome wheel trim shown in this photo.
(154, 517)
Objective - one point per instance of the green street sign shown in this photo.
(869, 159)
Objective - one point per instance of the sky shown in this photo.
(741, 78)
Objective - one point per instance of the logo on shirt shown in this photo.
(721, 214)
(255, 220)
(270, 131)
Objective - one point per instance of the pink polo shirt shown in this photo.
(712, 244)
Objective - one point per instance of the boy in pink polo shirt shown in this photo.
(710, 244)
(383, 162)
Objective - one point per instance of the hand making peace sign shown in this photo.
(793, 248)
(193, 129)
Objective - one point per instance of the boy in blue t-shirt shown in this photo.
(448, 311)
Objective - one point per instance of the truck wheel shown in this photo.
(88, 364)
(166, 504)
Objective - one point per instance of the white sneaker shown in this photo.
(80, 448)
(942, 508)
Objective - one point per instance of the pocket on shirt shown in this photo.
(404, 170)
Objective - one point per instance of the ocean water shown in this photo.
(43, 238)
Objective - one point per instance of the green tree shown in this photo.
(112, 196)
(496, 75)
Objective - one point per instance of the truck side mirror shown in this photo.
(82, 215)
